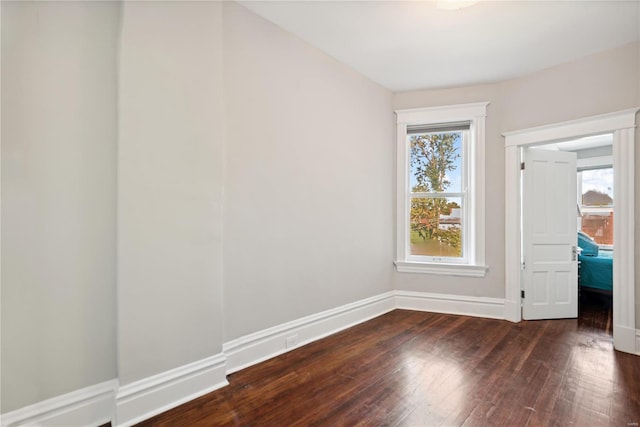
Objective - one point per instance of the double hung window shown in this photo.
(440, 186)
(595, 189)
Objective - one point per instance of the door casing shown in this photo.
(622, 125)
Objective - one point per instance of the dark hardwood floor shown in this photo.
(596, 311)
(410, 368)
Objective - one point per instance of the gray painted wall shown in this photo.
(59, 131)
(309, 179)
(597, 84)
(170, 172)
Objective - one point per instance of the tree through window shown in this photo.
(437, 192)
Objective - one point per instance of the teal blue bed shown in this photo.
(596, 265)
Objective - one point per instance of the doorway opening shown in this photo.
(621, 125)
(588, 256)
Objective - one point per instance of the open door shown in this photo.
(550, 267)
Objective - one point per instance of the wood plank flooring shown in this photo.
(411, 368)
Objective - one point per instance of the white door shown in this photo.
(550, 268)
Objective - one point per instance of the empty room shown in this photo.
(275, 213)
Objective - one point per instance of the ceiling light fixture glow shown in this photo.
(454, 4)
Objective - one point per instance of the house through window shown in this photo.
(596, 204)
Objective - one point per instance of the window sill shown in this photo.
(464, 270)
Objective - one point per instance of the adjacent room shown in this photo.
(319, 213)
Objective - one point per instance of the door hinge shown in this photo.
(522, 294)
(523, 264)
(522, 166)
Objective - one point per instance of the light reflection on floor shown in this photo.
(422, 376)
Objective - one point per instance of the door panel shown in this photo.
(550, 276)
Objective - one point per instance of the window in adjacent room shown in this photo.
(441, 190)
(595, 187)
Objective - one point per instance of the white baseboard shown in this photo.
(512, 310)
(89, 406)
(624, 339)
(493, 308)
(153, 395)
(257, 347)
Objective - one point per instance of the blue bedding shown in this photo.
(596, 265)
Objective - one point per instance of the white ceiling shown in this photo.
(409, 45)
(582, 143)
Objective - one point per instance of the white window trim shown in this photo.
(596, 209)
(475, 211)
